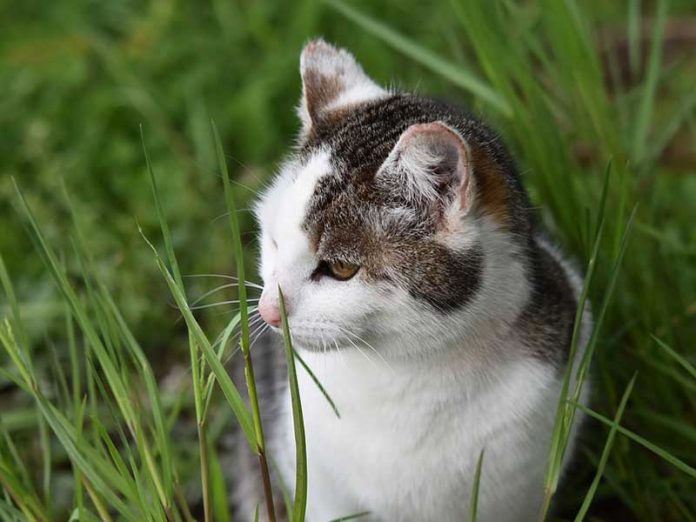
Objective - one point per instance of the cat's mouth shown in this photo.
(313, 339)
(313, 344)
(319, 336)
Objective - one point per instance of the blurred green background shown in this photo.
(77, 78)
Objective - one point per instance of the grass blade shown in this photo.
(633, 31)
(83, 456)
(300, 503)
(556, 450)
(27, 502)
(196, 369)
(11, 514)
(18, 324)
(647, 102)
(222, 342)
(454, 73)
(109, 310)
(220, 502)
(20, 469)
(112, 374)
(244, 321)
(236, 239)
(229, 390)
(475, 489)
(663, 454)
(166, 235)
(599, 320)
(318, 384)
(680, 359)
(46, 456)
(605, 452)
(354, 516)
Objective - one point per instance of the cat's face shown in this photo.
(378, 230)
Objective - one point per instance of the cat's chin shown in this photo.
(314, 348)
(311, 343)
(308, 343)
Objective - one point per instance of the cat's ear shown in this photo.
(331, 78)
(431, 163)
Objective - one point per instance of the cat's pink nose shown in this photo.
(269, 309)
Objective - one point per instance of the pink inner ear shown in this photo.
(439, 140)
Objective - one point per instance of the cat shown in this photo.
(426, 299)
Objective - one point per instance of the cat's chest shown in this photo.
(403, 444)
(384, 455)
(376, 429)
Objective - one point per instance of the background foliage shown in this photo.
(582, 85)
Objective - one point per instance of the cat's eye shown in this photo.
(342, 270)
(339, 270)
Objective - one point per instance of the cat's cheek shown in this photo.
(338, 302)
(267, 265)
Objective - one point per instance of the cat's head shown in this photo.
(399, 222)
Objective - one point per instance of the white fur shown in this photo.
(286, 260)
(325, 60)
(406, 445)
(285, 255)
(420, 393)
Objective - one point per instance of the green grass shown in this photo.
(114, 396)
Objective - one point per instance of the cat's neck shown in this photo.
(355, 377)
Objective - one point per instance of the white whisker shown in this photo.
(255, 325)
(259, 334)
(224, 276)
(340, 353)
(368, 345)
(221, 303)
(232, 354)
(254, 319)
(323, 342)
(211, 292)
(361, 351)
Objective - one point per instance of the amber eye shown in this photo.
(342, 270)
